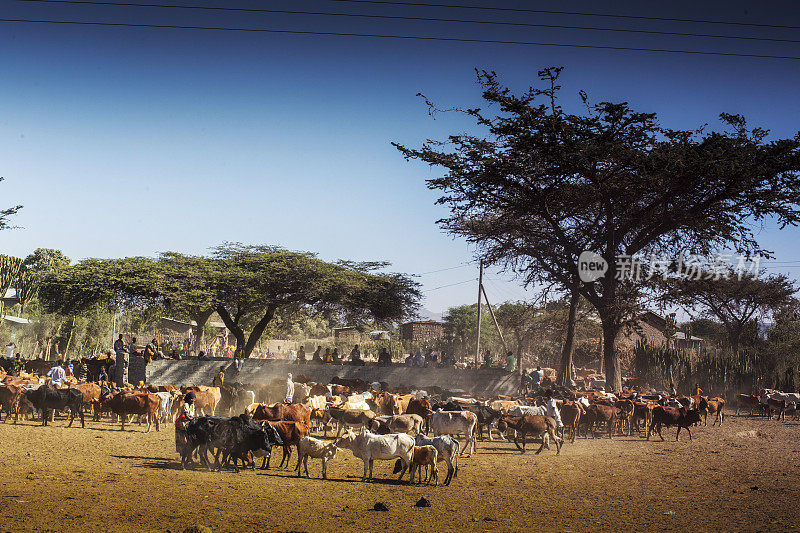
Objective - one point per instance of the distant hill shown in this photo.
(427, 314)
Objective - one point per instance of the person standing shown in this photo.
(10, 347)
(289, 389)
(121, 361)
(553, 412)
(301, 355)
(219, 378)
(150, 351)
(511, 362)
(536, 378)
(57, 375)
(17, 366)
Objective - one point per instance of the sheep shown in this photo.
(318, 449)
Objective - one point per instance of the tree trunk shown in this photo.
(610, 356)
(201, 319)
(565, 376)
(245, 345)
(234, 328)
(258, 330)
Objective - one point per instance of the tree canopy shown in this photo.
(245, 285)
(542, 185)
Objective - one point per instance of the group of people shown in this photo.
(332, 357)
(510, 362)
(430, 359)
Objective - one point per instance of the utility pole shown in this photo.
(478, 336)
(496, 325)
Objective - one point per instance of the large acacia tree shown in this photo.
(540, 185)
(245, 285)
(255, 282)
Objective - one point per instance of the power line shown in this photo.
(410, 18)
(577, 13)
(450, 285)
(462, 265)
(389, 36)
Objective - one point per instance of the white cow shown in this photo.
(164, 405)
(369, 446)
(318, 449)
(528, 410)
(454, 422)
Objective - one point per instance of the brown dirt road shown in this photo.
(743, 476)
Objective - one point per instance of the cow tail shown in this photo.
(458, 452)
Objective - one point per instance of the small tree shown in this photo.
(732, 299)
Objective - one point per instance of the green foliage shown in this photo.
(45, 259)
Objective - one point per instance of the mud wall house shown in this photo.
(651, 329)
(421, 330)
(347, 335)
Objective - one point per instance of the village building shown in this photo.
(421, 330)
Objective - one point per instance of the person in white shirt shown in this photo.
(10, 347)
(552, 411)
(57, 375)
(289, 389)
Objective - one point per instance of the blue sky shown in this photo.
(131, 141)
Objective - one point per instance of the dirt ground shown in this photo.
(743, 476)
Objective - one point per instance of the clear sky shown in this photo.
(131, 141)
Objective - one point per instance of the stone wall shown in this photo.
(483, 382)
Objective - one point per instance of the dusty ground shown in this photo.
(743, 476)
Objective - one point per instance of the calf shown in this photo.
(715, 407)
(673, 416)
(318, 449)
(425, 456)
(538, 426)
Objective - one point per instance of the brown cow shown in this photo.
(295, 412)
(8, 398)
(715, 407)
(291, 433)
(536, 425)
(597, 413)
(125, 403)
(91, 396)
(421, 407)
(571, 416)
(642, 411)
(673, 416)
(748, 401)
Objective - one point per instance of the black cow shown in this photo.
(486, 417)
(232, 398)
(46, 399)
(673, 416)
(233, 438)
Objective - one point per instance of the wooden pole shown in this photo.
(496, 325)
(478, 336)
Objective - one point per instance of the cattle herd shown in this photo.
(239, 423)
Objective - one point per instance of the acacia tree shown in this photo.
(186, 284)
(255, 282)
(732, 299)
(542, 185)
